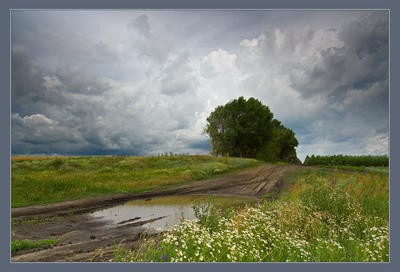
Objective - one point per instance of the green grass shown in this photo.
(325, 217)
(17, 245)
(38, 180)
(368, 169)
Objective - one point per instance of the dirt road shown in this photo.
(85, 239)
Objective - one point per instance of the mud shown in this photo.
(85, 239)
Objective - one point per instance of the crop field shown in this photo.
(40, 180)
(324, 217)
(343, 160)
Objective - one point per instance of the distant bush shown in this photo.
(337, 160)
(56, 163)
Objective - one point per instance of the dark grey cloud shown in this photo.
(57, 38)
(38, 134)
(142, 24)
(361, 59)
(76, 80)
(61, 111)
(200, 145)
(28, 85)
(154, 47)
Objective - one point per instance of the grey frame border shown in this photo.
(394, 133)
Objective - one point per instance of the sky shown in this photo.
(143, 82)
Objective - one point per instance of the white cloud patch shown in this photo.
(377, 144)
(178, 77)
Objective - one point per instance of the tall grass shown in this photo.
(326, 217)
(18, 245)
(42, 180)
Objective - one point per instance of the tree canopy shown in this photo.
(246, 128)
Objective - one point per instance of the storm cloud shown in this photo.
(144, 82)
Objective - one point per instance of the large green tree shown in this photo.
(246, 128)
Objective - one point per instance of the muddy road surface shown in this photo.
(85, 238)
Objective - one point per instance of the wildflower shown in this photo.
(142, 248)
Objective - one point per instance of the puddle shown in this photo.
(171, 208)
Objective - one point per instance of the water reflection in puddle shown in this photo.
(172, 208)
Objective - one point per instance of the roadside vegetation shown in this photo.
(325, 217)
(18, 245)
(40, 180)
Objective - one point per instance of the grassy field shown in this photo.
(40, 180)
(324, 217)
